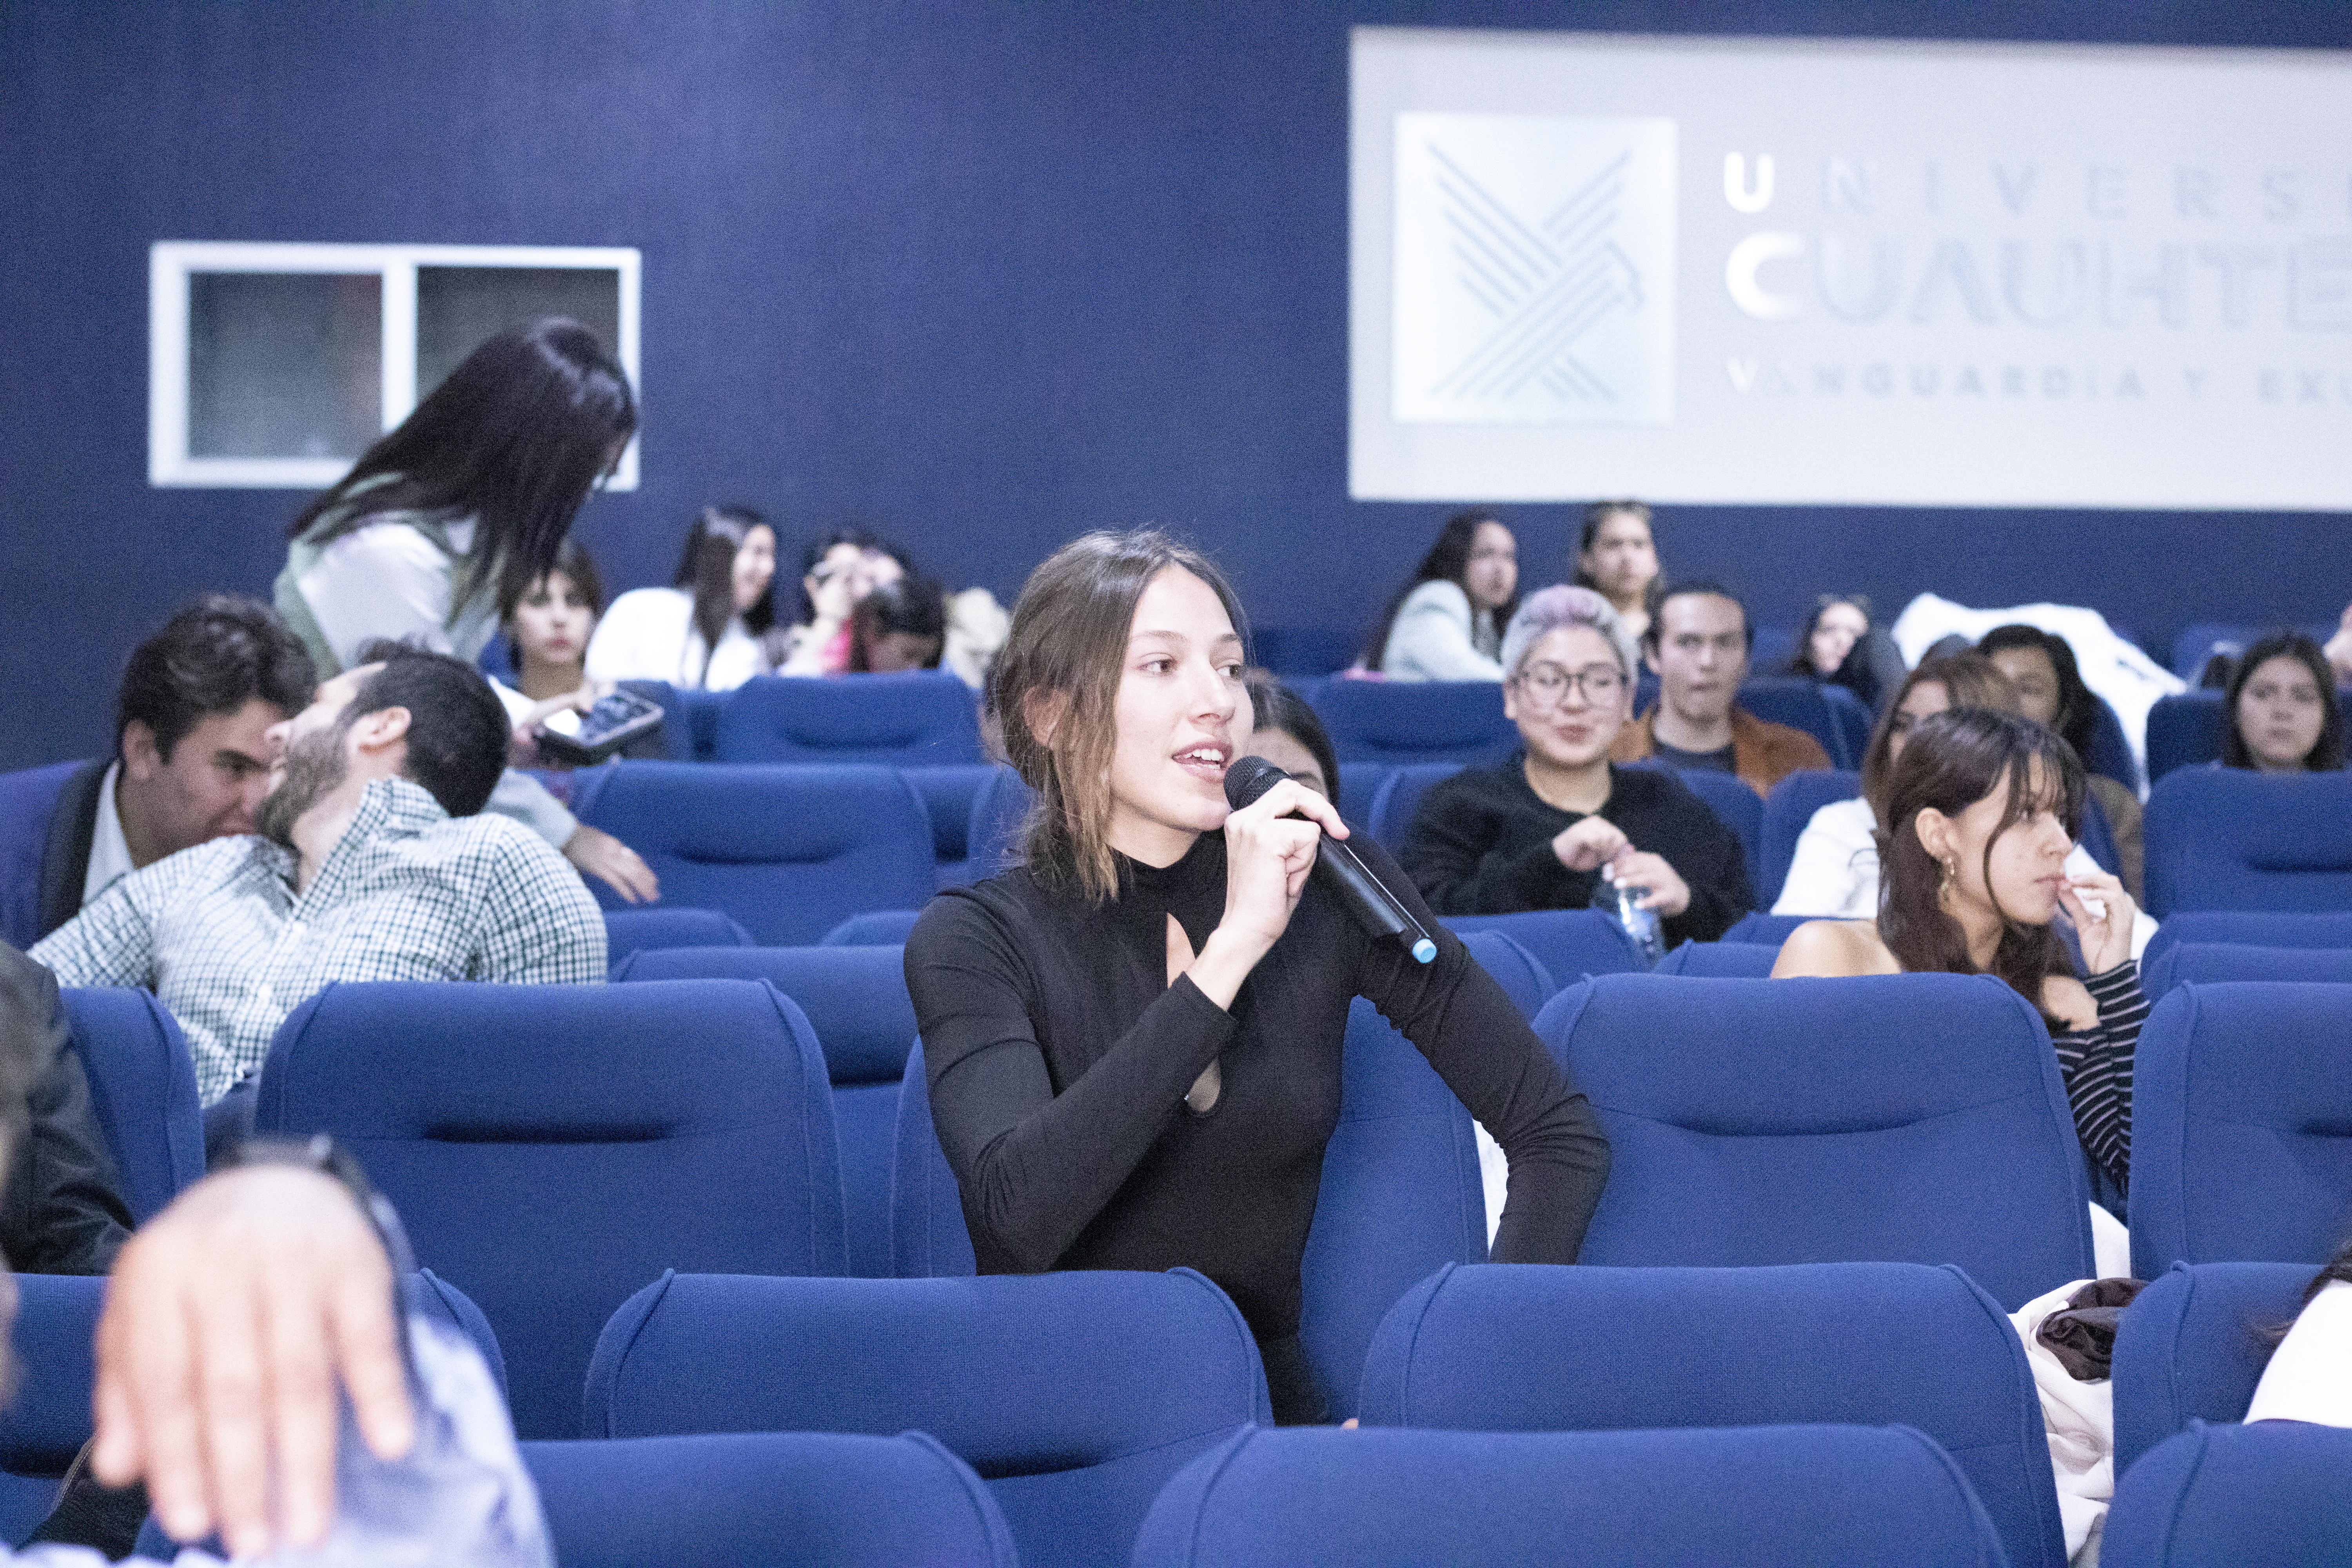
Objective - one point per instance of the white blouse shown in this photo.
(649, 634)
(1435, 638)
(2310, 1376)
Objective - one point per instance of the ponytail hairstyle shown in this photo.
(707, 570)
(1951, 760)
(1065, 654)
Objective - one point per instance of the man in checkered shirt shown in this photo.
(371, 863)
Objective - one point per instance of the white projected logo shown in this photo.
(1535, 270)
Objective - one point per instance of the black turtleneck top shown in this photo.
(1058, 1056)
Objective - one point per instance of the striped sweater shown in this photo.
(2097, 1064)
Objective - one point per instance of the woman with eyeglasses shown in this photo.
(1538, 831)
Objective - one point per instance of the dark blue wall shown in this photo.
(980, 275)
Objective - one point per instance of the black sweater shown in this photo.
(1059, 1056)
(1481, 845)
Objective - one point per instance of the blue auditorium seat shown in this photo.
(28, 799)
(2185, 730)
(919, 717)
(992, 832)
(2242, 1129)
(1074, 1395)
(1736, 805)
(1770, 1497)
(788, 851)
(1360, 787)
(2110, 752)
(2249, 927)
(1768, 930)
(2235, 1497)
(1721, 960)
(2098, 839)
(1398, 800)
(1774, 648)
(142, 1088)
(2206, 963)
(947, 791)
(2196, 644)
(1416, 722)
(552, 1148)
(1568, 942)
(876, 928)
(2222, 839)
(929, 1239)
(1843, 1127)
(1806, 705)
(1296, 653)
(1788, 811)
(628, 930)
(855, 998)
(1514, 968)
(726, 1501)
(1541, 1349)
(690, 724)
(2193, 1345)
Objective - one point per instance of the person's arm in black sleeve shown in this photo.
(62, 1210)
(1467, 1026)
(1036, 1167)
(1456, 857)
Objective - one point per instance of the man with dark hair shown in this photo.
(373, 862)
(190, 761)
(1698, 643)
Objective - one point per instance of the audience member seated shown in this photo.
(371, 863)
(1447, 623)
(1840, 647)
(2284, 716)
(1289, 735)
(704, 631)
(191, 757)
(2339, 649)
(1617, 558)
(1546, 829)
(976, 628)
(2309, 1376)
(1982, 810)
(472, 493)
(61, 1211)
(1698, 643)
(2049, 691)
(549, 624)
(900, 626)
(837, 571)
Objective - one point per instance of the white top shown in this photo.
(109, 852)
(2310, 1376)
(1434, 638)
(388, 580)
(649, 634)
(1835, 874)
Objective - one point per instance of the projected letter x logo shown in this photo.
(1547, 281)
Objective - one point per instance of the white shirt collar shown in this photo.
(109, 852)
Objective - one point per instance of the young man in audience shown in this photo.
(1698, 642)
(371, 863)
(190, 757)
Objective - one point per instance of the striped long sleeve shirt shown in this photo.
(2097, 1064)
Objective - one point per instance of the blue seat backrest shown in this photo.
(1304, 652)
(876, 928)
(551, 1148)
(142, 1088)
(28, 798)
(928, 1237)
(947, 791)
(1548, 1349)
(2219, 838)
(1517, 971)
(628, 930)
(1734, 804)
(2206, 963)
(2098, 840)
(2184, 730)
(1774, 648)
(922, 717)
(1787, 812)
(1416, 721)
(856, 999)
(766, 1497)
(1901, 1118)
(1074, 1395)
(2249, 927)
(1569, 944)
(2196, 644)
(690, 724)
(1398, 800)
(790, 852)
(1721, 960)
(992, 832)
(1763, 929)
(1800, 704)
(2193, 1345)
(2111, 752)
(1774, 1497)
(2241, 1129)
(2235, 1497)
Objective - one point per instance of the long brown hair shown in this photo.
(1951, 760)
(1969, 680)
(1068, 640)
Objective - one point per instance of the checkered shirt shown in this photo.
(407, 893)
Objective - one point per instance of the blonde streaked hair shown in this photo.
(1067, 649)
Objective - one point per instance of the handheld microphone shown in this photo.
(1349, 879)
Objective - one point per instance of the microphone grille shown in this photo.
(1247, 778)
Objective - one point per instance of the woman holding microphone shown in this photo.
(1133, 1038)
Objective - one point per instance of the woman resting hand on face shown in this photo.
(1981, 814)
(1132, 1040)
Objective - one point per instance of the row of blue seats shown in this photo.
(1085, 1404)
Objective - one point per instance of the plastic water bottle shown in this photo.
(1621, 900)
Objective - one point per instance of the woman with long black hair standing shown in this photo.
(1133, 1038)
(472, 493)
